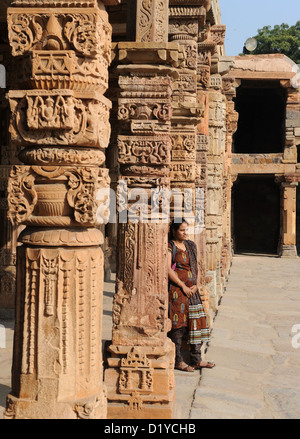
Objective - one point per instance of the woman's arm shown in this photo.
(175, 279)
(197, 286)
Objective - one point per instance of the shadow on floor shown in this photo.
(266, 255)
(4, 391)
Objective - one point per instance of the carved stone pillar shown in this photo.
(189, 127)
(60, 122)
(292, 122)
(288, 247)
(216, 171)
(8, 233)
(228, 89)
(140, 364)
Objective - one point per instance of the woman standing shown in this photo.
(185, 306)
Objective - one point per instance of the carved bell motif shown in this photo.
(53, 39)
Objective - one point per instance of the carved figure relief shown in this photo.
(59, 118)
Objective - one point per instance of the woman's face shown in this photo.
(181, 232)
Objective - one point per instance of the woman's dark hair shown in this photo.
(174, 226)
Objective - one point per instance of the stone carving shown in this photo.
(136, 374)
(143, 150)
(145, 111)
(43, 69)
(60, 123)
(31, 201)
(22, 196)
(140, 322)
(62, 156)
(87, 410)
(151, 20)
(59, 118)
(84, 31)
(218, 33)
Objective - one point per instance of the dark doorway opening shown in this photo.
(298, 219)
(256, 216)
(261, 125)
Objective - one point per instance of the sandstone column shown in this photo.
(189, 136)
(8, 233)
(139, 375)
(288, 221)
(212, 81)
(60, 123)
(231, 125)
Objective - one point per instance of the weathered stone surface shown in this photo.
(57, 363)
(172, 108)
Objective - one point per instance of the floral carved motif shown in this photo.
(22, 196)
(84, 185)
(80, 31)
(81, 198)
(151, 20)
(183, 147)
(62, 156)
(143, 150)
(218, 33)
(144, 111)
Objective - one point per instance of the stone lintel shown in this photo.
(270, 168)
(249, 74)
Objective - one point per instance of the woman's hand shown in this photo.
(194, 289)
(187, 291)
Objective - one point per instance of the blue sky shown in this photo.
(244, 17)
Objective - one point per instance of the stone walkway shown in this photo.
(258, 370)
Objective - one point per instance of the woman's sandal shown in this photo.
(184, 367)
(204, 365)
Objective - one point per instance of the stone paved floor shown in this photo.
(258, 369)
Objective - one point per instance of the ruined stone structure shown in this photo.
(265, 154)
(160, 138)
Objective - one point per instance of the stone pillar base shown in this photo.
(57, 360)
(140, 382)
(92, 408)
(288, 251)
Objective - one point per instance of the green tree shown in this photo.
(280, 39)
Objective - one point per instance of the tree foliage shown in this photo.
(280, 39)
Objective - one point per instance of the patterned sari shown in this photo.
(183, 311)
